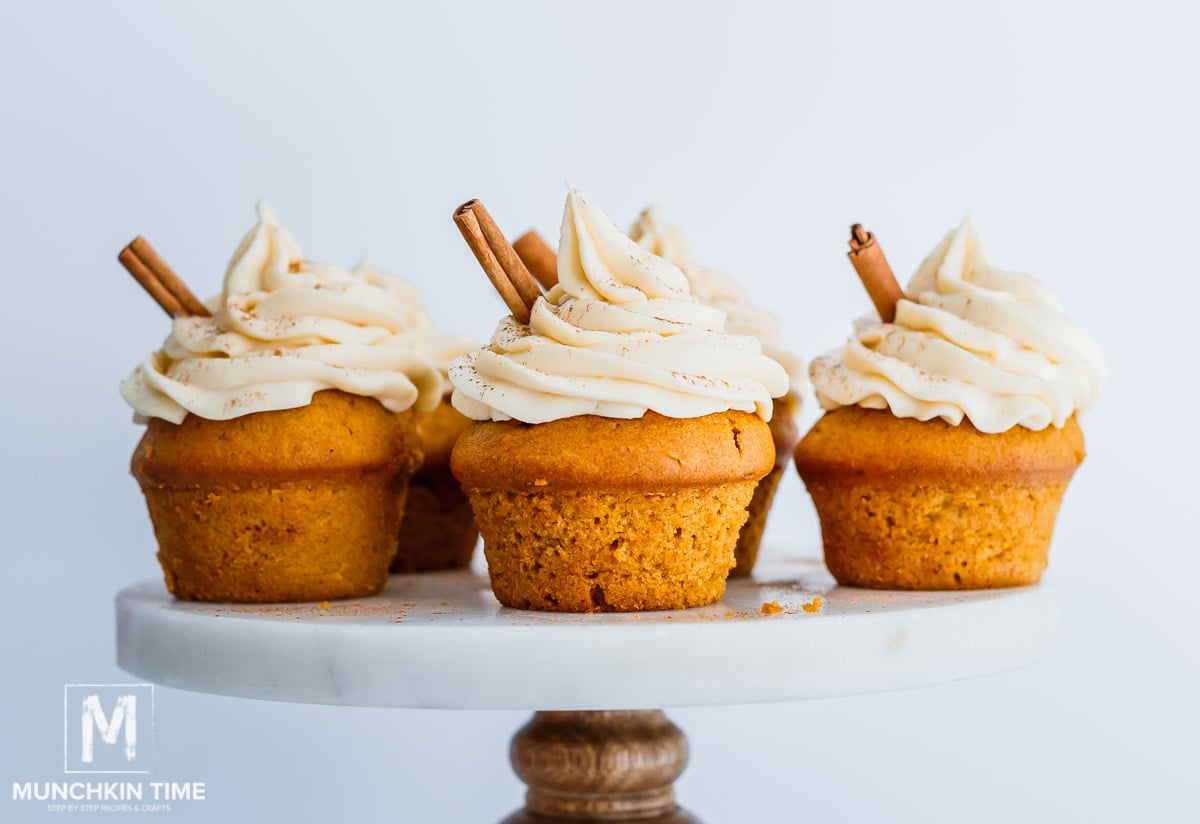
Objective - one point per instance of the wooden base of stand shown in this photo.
(611, 766)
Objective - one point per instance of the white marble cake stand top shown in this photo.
(440, 640)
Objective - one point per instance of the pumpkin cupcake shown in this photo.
(281, 430)
(741, 318)
(438, 530)
(619, 434)
(950, 432)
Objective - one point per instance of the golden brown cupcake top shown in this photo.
(590, 452)
(873, 443)
(438, 431)
(337, 432)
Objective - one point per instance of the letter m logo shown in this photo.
(94, 720)
(102, 729)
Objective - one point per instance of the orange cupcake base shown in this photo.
(906, 504)
(785, 436)
(292, 505)
(438, 530)
(590, 514)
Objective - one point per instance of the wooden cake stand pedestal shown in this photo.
(604, 765)
(595, 750)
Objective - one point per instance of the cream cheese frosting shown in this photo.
(620, 335)
(419, 332)
(715, 289)
(968, 341)
(284, 328)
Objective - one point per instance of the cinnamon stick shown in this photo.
(526, 286)
(538, 257)
(874, 272)
(498, 259)
(168, 290)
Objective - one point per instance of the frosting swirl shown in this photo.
(717, 290)
(419, 333)
(282, 329)
(620, 335)
(969, 340)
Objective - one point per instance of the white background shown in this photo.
(1068, 131)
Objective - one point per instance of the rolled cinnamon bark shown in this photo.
(874, 272)
(500, 263)
(159, 280)
(538, 257)
(525, 285)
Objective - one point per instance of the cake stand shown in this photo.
(592, 751)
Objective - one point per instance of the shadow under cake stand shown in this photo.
(592, 751)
